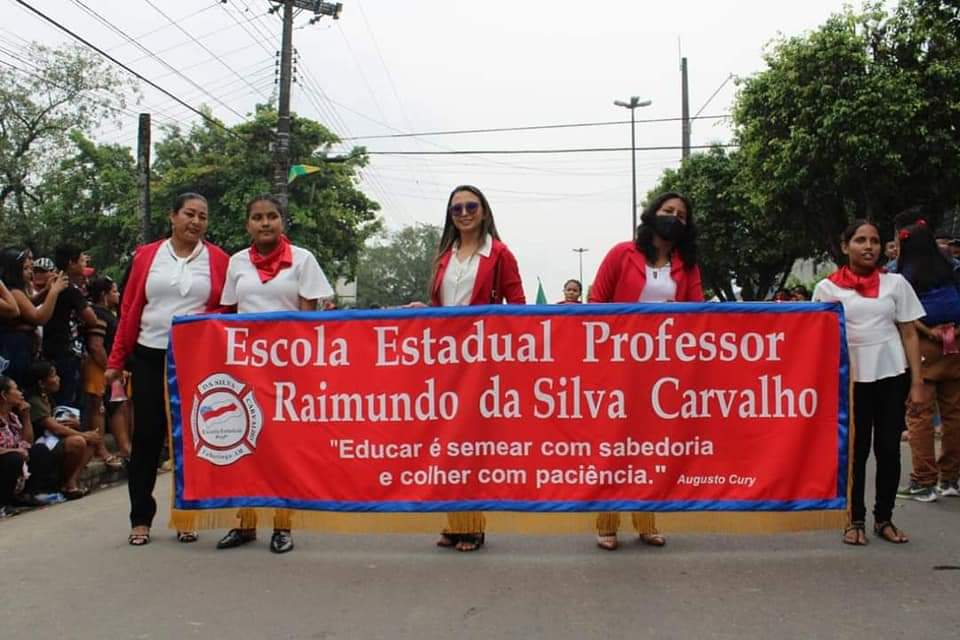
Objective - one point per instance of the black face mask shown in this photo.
(669, 228)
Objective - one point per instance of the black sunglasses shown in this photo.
(460, 209)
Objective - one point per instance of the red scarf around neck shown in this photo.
(867, 286)
(268, 266)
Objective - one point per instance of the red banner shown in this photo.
(673, 407)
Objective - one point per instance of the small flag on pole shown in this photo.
(541, 296)
(298, 170)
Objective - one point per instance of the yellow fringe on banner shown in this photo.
(517, 522)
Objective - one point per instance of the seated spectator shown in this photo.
(72, 317)
(24, 466)
(58, 430)
(104, 297)
(800, 293)
(17, 335)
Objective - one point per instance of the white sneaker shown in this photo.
(949, 489)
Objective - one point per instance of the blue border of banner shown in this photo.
(675, 308)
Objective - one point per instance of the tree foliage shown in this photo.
(396, 270)
(860, 118)
(330, 215)
(57, 93)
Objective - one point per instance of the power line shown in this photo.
(106, 55)
(483, 152)
(200, 44)
(530, 128)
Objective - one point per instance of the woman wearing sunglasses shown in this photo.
(472, 267)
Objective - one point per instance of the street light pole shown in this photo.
(632, 105)
(581, 251)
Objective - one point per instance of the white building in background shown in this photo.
(346, 292)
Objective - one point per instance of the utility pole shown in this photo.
(281, 148)
(143, 176)
(581, 251)
(685, 96)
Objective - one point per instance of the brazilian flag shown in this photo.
(299, 170)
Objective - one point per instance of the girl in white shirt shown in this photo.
(271, 275)
(880, 309)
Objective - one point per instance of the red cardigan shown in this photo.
(135, 296)
(623, 275)
(509, 287)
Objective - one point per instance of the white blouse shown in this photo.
(876, 351)
(460, 277)
(175, 287)
(660, 286)
(303, 279)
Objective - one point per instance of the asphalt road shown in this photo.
(68, 573)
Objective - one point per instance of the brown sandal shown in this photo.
(858, 528)
(653, 539)
(896, 536)
(608, 542)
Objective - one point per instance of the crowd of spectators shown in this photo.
(57, 320)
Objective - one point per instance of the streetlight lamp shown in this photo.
(581, 251)
(632, 105)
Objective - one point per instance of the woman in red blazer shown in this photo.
(180, 275)
(660, 265)
(471, 267)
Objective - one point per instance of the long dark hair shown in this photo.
(451, 234)
(921, 262)
(686, 246)
(12, 260)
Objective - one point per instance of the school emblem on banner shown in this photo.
(226, 420)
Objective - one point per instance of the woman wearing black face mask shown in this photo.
(660, 265)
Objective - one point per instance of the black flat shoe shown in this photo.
(281, 541)
(236, 538)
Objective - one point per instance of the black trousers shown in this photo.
(150, 431)
(44, 466)
(11, 468)
(879, 415)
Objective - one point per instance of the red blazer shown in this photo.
(135, 296)
(509, 286)
(622, 277)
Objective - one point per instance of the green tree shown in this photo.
(330, 215)
(396, 269)
(857, 119)
(90, 199)
(737, 245)
(55, 93)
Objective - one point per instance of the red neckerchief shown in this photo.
(270, 265)
(867, 286)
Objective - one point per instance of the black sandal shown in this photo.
(138, 539)
(449, 540)
(470, 541)
(858, 526)
(880, 527)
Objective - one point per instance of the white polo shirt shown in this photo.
(876, 351)
(303, 279)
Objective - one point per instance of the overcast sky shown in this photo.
(390, 66)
